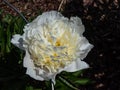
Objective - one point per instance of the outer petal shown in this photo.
(47, 17)
(17, 40)
(85, 47)
(76, 65)
(28, 63)
(77, 25)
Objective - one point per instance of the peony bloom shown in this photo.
(53, 43)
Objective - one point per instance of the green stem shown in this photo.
(67, 83)
(10, 5)
(52, 84)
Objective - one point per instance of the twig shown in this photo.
(61, 5)
(15, 9)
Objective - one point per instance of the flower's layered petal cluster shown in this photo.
(35, 72)
(53, 44)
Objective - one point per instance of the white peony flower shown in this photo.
(53, 43)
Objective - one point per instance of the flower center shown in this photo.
(51, 54)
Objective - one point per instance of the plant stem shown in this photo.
(52, 84)
(59, 8)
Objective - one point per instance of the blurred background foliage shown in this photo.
(102, 23)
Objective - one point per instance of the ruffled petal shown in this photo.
(76, 65)
(85, 47)
(76, 24)
(47, 17)
(17, 40)
(31, 72)
(28, 62)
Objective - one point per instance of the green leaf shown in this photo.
(61, 86)
(1, 11)
(29, 88)
(37, 89)
(78, 73)
(83, 81)
(68, 83)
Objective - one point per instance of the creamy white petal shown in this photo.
(27, 61)
(76, 65)
(32, 73)
(84, 47)
(17, 40)
(47, 17)
(77, 25)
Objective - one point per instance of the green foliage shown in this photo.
(10, 56)
(73, 80)
(29, 88)
(83, 81)
(9, 25)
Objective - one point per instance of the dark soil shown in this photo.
(102, 23)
